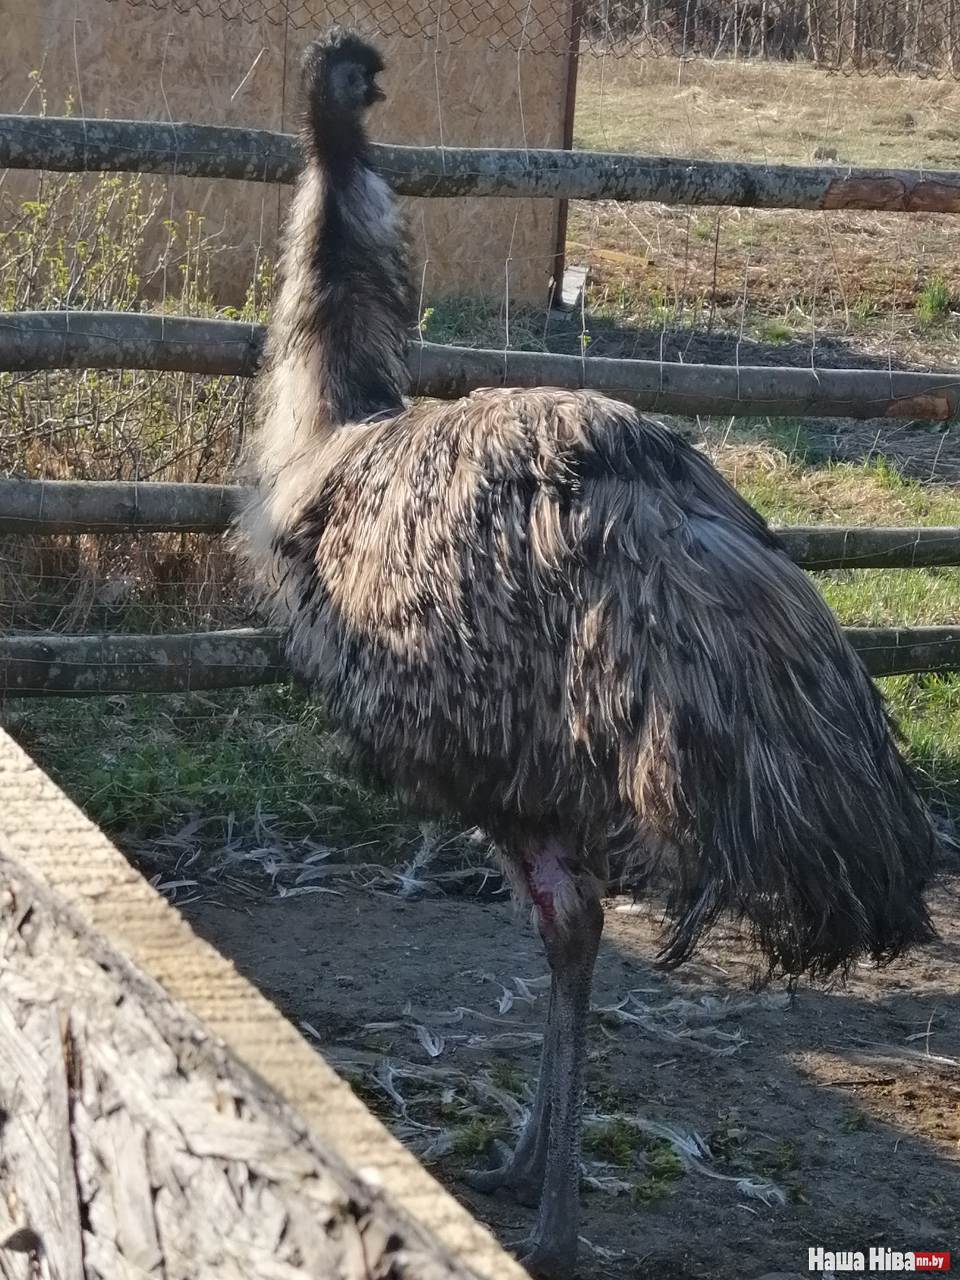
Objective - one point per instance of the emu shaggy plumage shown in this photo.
(552, 618)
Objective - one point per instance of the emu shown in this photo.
(552, 618)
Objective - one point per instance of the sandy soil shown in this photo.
(847, 1101)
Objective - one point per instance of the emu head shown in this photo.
(339, 72)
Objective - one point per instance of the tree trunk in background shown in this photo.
(888, 32)
(689, 27)
(917, 23)
(813, 30)
(856, 39)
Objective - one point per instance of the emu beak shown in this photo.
(377, 94)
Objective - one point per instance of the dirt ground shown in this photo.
(831, 1118)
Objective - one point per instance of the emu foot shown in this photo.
(523, 1178)
(547, 1259)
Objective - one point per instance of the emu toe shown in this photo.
(548, 1259)
(524, 1185)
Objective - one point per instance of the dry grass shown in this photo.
(785, 277)
(767, 112)
(78, 244)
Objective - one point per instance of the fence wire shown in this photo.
(854, 36)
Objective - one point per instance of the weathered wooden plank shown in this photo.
(105, 506)
(87, 665)
(258, 155)
(894, 651)
(871, 547)
(741, 392)
(97, 506)
(33, 340)
(136, 1235)
(32, 1146)
(84, 665)
(205, 1139)
(59, 1063)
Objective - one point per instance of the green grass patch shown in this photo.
(775, 476)
(653, 1162)
(854, 1122)
(933, 302)
(615, 1141)
(507, 1075)
(771, 469)
(775, 331)
(663, 1168)
(927, 708)
(471, 1140)
(470, 322)
(776, 1158)
(143, 766)
(662, 1162)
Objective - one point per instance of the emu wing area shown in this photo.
(547, 615)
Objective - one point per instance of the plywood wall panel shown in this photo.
(114, 59)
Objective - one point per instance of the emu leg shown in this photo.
(572, 942)
(522, 1169)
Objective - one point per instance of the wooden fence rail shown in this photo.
(98, 506)
(106, 506)
(35, 340)
(258, 155)
(93, 664)
(88, 665)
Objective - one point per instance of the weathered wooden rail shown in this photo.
(185, 662)
(160, 1116)
(49, 665)
(104, 506)
(259, 155)
(35, 340)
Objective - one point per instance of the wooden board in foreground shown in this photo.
(158, 1117)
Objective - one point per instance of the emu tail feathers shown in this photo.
(770, 770)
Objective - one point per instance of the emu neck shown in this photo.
(337, 346)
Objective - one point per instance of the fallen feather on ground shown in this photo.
(432, 1043)
(691, 1021)
(694, 1155)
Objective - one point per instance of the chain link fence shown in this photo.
(870, 36)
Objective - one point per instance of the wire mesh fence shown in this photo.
(868, 36)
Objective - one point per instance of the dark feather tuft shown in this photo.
(339, 73)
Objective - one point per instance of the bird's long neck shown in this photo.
(337, 346)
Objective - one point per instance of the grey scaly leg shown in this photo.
(523, 1169)
(572, 951)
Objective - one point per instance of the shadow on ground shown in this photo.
(847, 1101)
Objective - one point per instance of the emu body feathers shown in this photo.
(553, 618)
(546, 615)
